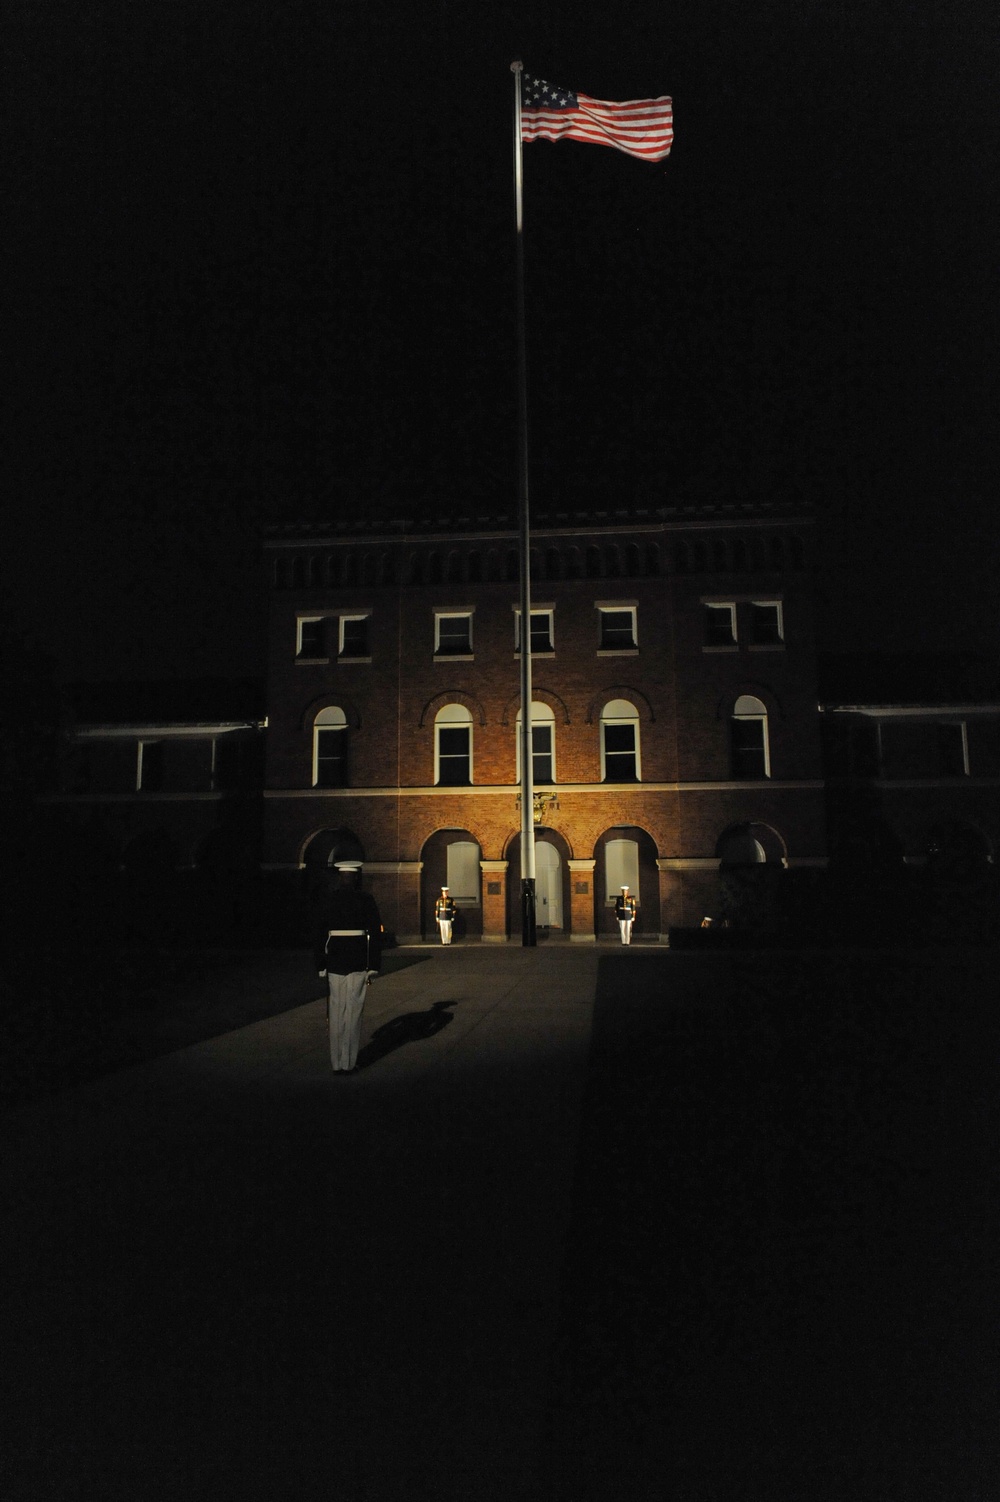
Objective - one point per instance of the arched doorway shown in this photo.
(321, 855)
(451, 857)
(552, 902)
(548, 886)
(751, 858)
(626, 855)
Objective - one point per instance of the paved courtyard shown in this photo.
(587, 1223)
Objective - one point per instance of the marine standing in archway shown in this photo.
(626, 908)
(444, 915)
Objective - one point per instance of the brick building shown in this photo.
(163, 776)
(912, 748)
(675, 717)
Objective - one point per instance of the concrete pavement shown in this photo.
(235, 1274)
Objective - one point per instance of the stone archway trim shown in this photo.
(452, 696)
(620, 691)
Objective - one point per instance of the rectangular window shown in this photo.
(542, 639)
(767, 628)
(541, 754)
(619, 754)
(618, 629)
(227, 764)
(952, 749)
(453, 635)
(720, 625)
(149, 775)
(311, 637)
(354, 636)
(331, 757)
(749, 749)
(454, 755)
(464, 872)
(621, 868)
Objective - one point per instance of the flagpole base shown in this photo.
(528, 936)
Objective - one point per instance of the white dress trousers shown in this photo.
(347, 1002)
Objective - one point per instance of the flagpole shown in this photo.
(528, 934)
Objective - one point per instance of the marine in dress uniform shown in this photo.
(348, 952)
(626, 908)
(444, 914)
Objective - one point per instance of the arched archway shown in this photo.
(552, 877)
(451, 857)
(320, 854)
(626, 854)
(750, 844)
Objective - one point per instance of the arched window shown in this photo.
(329, 759)
(751, 757)
(620, 742)
(453, 746)
(543, 744)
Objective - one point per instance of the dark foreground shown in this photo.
(779, 1278)
(782, 1279)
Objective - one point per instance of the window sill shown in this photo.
(767, 646)
(354, 659)
(454, 657)
(311, 662)
(618, 651)
(729, 646)
(546, 652)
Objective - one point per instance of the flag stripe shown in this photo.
(642, 128)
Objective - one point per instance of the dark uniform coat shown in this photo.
(347, 907)
(625, 909)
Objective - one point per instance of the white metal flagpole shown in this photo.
(528, 935)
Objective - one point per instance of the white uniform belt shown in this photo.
(347, 933)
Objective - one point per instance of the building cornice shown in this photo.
(912, 711)
(151, 728)
(562, 789)
(454, 529)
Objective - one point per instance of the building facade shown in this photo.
(163, 776)
(675, 722)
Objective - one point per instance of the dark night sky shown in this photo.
(263, 270)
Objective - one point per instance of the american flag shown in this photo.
(640, 127)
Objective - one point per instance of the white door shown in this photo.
(548, 886)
